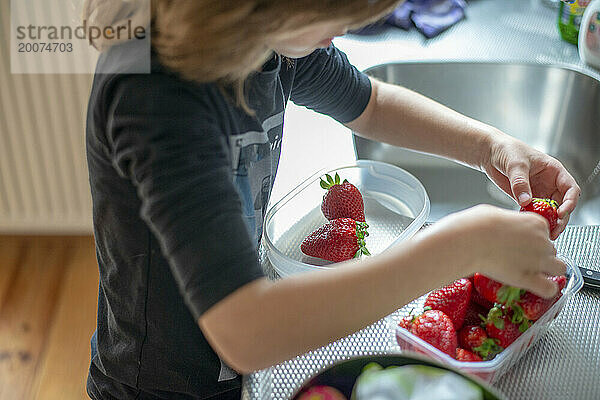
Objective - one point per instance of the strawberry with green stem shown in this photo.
(434, 327)
(474, 338)
(532, 307)
(496, 292)
(525, 305)
(406, 322)
(547, 208)
(338, 240)
(342, 200)
(467, 356)
(499, 326)
(475, 311)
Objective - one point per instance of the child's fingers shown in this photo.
(554, 266)
(540, 285)
(536, 221)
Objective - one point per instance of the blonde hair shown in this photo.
(225, 40)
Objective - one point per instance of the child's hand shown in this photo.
(508, 246)
(523, 172)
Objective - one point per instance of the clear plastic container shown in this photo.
(491, 370)
(396, 206)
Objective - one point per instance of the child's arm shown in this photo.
(401, 117)
(264, 323)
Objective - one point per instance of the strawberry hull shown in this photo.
(493, 369)
(338, 240)
(342, 199)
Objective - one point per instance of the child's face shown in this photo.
(305, 40)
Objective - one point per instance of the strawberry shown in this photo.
(475, 339)
(532, 307)
(338, 240)
(475, 312)
(406, 322)
(495, 291)
(547, 208)
(342, 200)
(466, 355)
(499, 326)
(453, 300)
(321, 392)
(477, 298)
(437, 329)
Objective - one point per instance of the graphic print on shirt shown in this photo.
(254, 156)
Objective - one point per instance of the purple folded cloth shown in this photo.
(430, 17)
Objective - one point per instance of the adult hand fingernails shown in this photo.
(524, 198)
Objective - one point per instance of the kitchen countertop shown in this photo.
(566, 362)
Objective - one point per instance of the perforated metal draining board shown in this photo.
(565, 364)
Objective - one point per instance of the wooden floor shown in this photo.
(48, 297)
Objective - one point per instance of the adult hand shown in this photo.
(523, 172)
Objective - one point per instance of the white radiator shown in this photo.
(43, 171)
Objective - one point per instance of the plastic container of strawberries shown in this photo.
(396, 206)
(491, 370)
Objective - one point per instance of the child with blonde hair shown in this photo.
(179, 160)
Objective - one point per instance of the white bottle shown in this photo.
(589, 35)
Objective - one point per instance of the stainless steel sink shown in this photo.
(553, 109)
